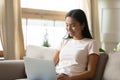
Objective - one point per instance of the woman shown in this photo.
(77, 56)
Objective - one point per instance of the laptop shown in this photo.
(39, 69)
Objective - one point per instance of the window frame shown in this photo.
(29, 13)
(43, 14)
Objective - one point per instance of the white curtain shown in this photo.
(91, 9)
(11, 30)
(2, 23)
(19, 42)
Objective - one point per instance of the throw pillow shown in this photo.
(112, 70)
(39, 52)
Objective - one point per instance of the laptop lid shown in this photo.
(39, 69)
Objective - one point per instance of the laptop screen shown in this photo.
(39, 69)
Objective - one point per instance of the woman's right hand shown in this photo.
(63, 77)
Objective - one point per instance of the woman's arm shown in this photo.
(56, 57)
(91, 69)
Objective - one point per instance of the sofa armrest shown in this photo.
(12, 69)
(101, 66)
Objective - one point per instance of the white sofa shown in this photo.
(39, 52)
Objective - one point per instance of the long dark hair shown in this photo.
(80, 16)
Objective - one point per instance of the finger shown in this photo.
(61, 77)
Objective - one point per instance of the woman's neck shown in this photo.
(78, 38)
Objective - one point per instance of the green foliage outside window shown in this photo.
(46, 44)
(101, 50)
(117, 47)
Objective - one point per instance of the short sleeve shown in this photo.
(93, 47)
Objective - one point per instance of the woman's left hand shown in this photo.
(63, 77)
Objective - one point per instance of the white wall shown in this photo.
(109, 15)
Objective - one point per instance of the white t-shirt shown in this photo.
(73, 55)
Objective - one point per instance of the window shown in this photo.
(37, 30)
(44, 20)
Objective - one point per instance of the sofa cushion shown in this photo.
(101, 66)
(39, 52)
(112, 70)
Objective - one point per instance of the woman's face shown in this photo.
(74, 28)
